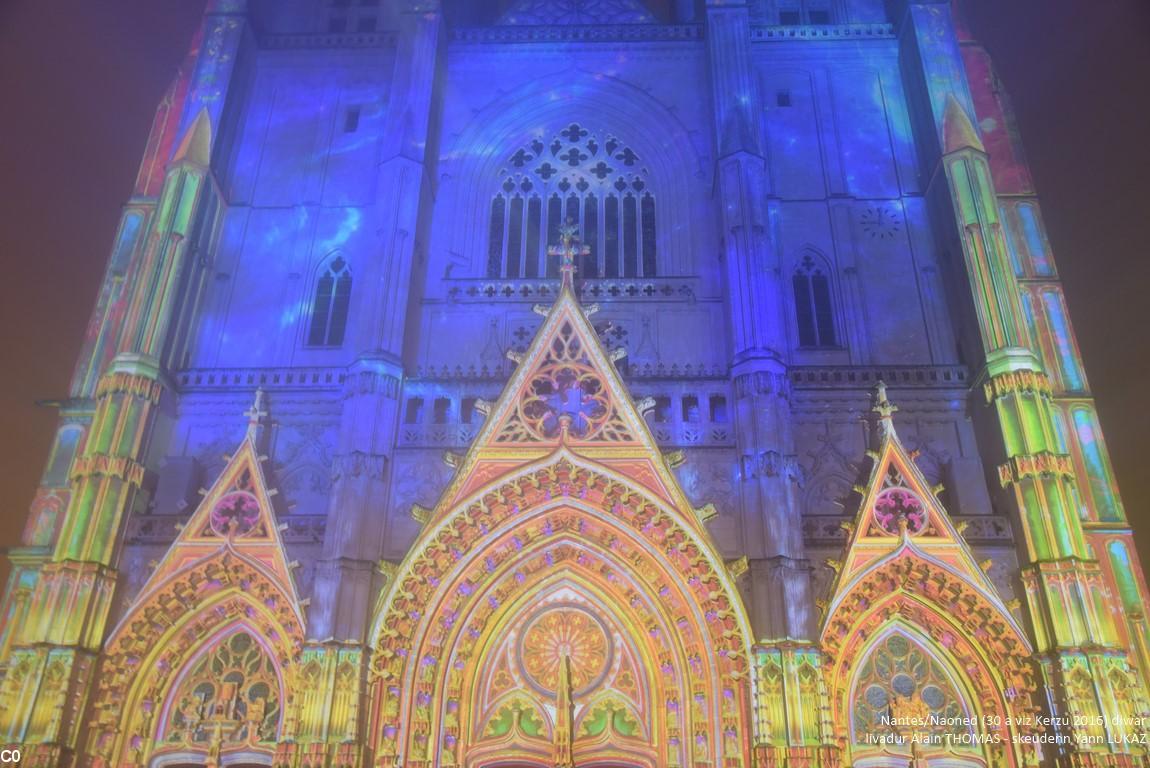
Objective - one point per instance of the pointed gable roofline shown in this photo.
(899, 516)
(565, 394)
(235, 518)
(906, 567)
(958, 132)
(195, 146)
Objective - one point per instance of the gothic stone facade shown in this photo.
(568, 333)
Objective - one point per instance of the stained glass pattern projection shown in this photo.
(231, 695)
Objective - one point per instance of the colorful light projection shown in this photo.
(563, 602)
(563, 553)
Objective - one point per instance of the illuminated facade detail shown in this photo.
(914, 623)
(597, 184)
(202, 664)
(900, 674)
(231, 696)
(560, 317)
(640, 613)
(330, 308)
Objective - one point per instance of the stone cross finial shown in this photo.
(569, 247)
(883, 406)
(885, 410)
(256, 414)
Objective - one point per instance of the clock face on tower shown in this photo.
(880, 222)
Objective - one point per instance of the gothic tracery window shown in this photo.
(814, 308)
(596, 182)
(901, 679)
(329, 307)
(231, 693)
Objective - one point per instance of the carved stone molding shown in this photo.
(341, 40)
(269, 379)
(161, 529)
(978, 530)
(762, 383)
(772, 464)
(371, 383)
(357, 464)
(578, 33)
(486, 290)
(822, 32)
(852, 377)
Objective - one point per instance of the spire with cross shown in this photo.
(570, 246)
(884, 408)
(256, 415)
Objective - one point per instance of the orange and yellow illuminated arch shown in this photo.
(562, 540)
(908, 574)
(222, 595)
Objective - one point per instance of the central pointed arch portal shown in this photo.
(564, 604)
(469, 654)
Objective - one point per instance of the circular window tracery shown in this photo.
(236, 514)
(903, 687)
(559, 632)
(895, 505)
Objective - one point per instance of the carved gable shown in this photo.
(565, 395)
(900, 516)
(565, 384)
(236, 516)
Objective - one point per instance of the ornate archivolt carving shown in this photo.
(543, 521)
(907, 569)
(225, 576)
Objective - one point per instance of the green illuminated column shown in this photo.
(1093, 689)
(1071, 611)
(54, 653)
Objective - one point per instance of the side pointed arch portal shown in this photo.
(201, 669)
(564, 604)
(927, 663)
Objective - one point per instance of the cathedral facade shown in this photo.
(555, 383)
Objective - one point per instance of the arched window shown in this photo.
(329, 309)
(597, 183)
(813, 306)
(901, 679)
(233, 688)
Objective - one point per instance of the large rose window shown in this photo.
(562, 632)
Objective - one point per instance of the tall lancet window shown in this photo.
(329, 308)
(814, 308)
(594, 180)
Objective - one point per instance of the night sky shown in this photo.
(80, 80)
